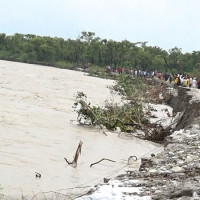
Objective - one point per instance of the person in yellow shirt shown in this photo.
(188, 81)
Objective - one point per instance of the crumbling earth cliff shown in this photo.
(173, 173)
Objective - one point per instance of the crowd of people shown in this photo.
(178, 79)
(186, 81)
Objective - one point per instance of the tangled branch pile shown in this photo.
(112, 116)
(128, 115)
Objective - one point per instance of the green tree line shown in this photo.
(88, 48)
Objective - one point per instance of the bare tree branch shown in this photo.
(78, 152)
(101, 161)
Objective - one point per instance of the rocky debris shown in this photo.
(173, 173)
(146, 163)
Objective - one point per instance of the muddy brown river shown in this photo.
(38, 129)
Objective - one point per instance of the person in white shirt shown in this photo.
(194, 83)
(191, 79)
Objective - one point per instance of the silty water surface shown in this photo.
(38, 129)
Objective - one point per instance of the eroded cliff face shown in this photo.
(187, 102)
(175, 172)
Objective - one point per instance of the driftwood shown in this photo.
(78, 152)
(101, 161)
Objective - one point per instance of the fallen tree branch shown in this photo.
(84, 104)
(78, 152)
(112, 116)
(101, 161)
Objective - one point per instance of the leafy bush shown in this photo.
(133, 89)
(126, 117)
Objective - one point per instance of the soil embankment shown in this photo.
(185, 101)
(175, 172)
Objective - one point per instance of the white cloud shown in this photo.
(165, 23)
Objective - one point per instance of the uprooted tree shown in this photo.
(126, 115)
(112, 116)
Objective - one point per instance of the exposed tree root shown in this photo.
(157, 133)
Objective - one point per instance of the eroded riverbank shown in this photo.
(171, 174)
(37, 131)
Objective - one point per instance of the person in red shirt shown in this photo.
(120, 70)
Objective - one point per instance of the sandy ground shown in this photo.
(37, 131)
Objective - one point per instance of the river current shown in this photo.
(38, 129)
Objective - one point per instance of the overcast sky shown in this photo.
(163, 23)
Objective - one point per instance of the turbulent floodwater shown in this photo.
(37, 130)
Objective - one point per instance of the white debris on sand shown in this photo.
(161, 114)
(172, 174)
(195, 93)
(116, 190)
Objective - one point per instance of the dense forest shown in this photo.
(88, 48)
